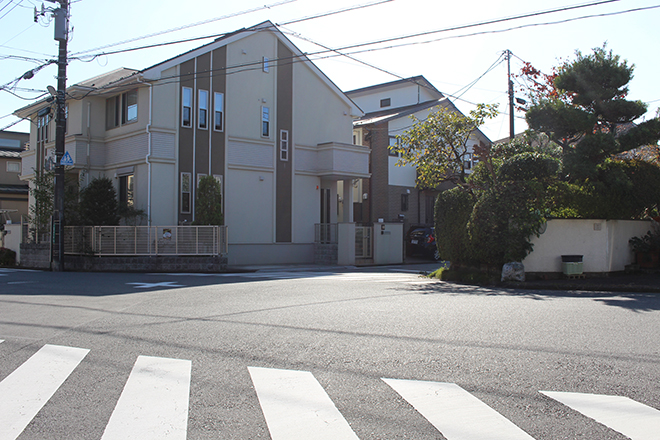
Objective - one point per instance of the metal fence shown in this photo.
(145, 240)
(364, 241)
(325, 233)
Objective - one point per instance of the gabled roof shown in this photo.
(419, 80)
(120, 77)
(154, 72)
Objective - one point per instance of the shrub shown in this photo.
(7, 257)
(98, 203)
(452, 212)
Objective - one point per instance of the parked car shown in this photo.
(420, 240)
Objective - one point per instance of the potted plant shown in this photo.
(647, 248)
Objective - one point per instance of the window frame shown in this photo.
(15, 163)
(118, 109)
(385, 102)
(284, 145)
(265, 121)
(188, 106)
(265, 64)
(221, 111)
(203, 109)
(405, 202)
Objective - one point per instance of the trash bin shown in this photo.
(571, 264)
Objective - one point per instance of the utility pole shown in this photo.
(61, 34)
(512, 133)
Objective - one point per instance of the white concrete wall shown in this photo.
(306, 207)
(603, 244)
(388, 243)
(12, 240)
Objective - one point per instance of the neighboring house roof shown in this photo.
(419, 80)
(399, 112)
(13, 154)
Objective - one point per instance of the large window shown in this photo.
(126, 190)
(121, 109)
(203, 113)
(265, 121)
(218, 111)
(284, 144)
(186, 106)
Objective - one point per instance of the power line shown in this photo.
(6, 13)
(188, 26)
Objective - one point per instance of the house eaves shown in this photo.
(417, 80)
(399, 112)
(105, 83)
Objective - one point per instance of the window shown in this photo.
(42, 129)
(13, 167)
(126, 190)
(130, 107)
(199, 177)
(467, 161)
(265, 121)
(385, 102)
(391, 149)
(202, 115)
(284, 144)
(185, 193)
(121, 109)
(218, 111)
(404, 202)
(266, 66)
(186, 106)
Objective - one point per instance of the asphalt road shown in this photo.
(352, 353)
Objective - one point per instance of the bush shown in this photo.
(452, 212)
(7, 257)
(98, 203)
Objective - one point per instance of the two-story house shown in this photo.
(13, 191)
(391, 193)
(248, 109)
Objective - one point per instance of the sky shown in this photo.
(462, 42)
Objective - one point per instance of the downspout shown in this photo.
(89, 141)
(148, 158)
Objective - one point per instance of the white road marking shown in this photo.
(457, 414)
(296, 407)
(153, 285)
(25, 391)
(622, 414)
(154, 402)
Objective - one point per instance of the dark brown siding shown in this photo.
(202, 135)
(185, 133)
(284, 176)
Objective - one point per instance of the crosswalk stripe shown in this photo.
(457, 414)
(296, 407)
(622, 414)
(154, 402)
(25, 391)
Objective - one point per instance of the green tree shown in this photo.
(437, 146)
(590, 118)
(208, 205)
(98, 203)
(42, 191)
